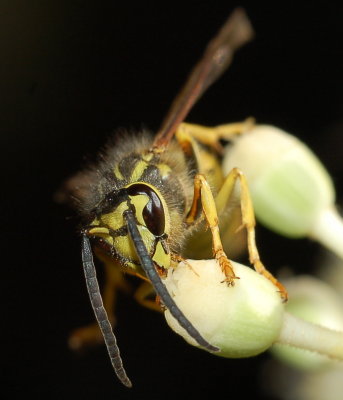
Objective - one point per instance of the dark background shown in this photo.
(71, 72)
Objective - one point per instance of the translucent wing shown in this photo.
(236, 31)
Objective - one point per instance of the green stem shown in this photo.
(328, 231)
(302, 334)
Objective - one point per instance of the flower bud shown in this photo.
(290, 188)
(242, 320)
(313, 301)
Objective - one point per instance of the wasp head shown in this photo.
(109, 228)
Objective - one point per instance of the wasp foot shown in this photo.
(226, 267)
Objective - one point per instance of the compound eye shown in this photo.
(153, 213)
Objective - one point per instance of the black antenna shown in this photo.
(100, 312)
(149, 268)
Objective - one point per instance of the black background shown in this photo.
(71, 72)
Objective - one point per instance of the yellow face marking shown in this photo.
(101, 232)
(139, 201)
(147, 156)
(95, 222)
(114, 219)
(138, 171)
(117, 172)
(164, 169)
(160, 257)
(98, 230)
(125, 247)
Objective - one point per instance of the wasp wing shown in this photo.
(236, 31)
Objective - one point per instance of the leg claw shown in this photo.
(226, 267)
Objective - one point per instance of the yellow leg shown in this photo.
(90, 335)
(142, 294)
(211, 135)
(228, 131)
(248, 221)
(203, 192)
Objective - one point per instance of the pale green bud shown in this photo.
(313, 301)
(246, 319)
(242, 320)
(289, 186)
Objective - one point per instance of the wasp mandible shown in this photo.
(149, 195)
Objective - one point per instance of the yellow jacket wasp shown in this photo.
(149, 195)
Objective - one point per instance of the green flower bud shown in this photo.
(313, 301)
(289, 186)
(242, 320)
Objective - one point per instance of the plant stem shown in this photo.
(305, 335)
(328, 231)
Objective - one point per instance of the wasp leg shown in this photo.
(91, 335)
(211, 136)
(143, 296)
(203, 192)
(248, 221)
